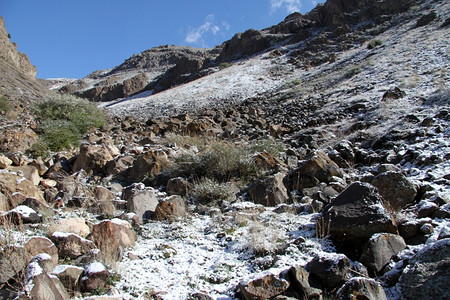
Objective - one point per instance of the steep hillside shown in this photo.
(308, 160)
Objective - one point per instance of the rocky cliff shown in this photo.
(9, 53)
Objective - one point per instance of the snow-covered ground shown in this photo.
(213, 253)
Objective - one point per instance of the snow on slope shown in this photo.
(234, 84)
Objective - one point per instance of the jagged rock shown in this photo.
(118, 165)
(263, 288)
(269, 191)
(70, 225)
(11, 183)
(39, 244)
(19, 138)
(244, 44)
(426, 19)
(142, 202)
(71, 245)
(94, 276)
(92, 158)
(170, 209)
(299, 282)
(426, 275)
(361, 288)
(13, 259)
(356, 214)
(5, 162)
(318, 167)
(69, 276)
(380, 249)
(23, 214)
(111, 236)
(177, 186)
(394, 93)
(29, 172)
(145, 165)
(47, 287)
(329, 269)
(395, 188)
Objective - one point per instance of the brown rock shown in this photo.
(38, 244)
(263, 288)
(70, 225)
(71, 245)
(47, 287)
(110, 236)
(95, 276)
(11, 183)
(269, 191)
(395, 188)
(170, 209)
(92, 158)
(5, 162)
(177, 186)
(69, 276)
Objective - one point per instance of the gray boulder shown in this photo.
(426, 276)
(141, 200)
(330, 270)
(361, 288)
(380, 249)
(355, 215)
(395, 188)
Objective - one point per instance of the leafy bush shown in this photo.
(5, 105)
(62, 120)
(224, 65)
(374, 43)
(222, 161)
(208, 190)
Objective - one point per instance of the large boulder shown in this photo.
(141, 200)
(380, 249)
(11, 183)
(395, 188)
(92, 158)
(318, 167)
(47, 287)
(361, 288)
(71, 245)
(70, 225)
(94, 277)
(111, 236)
(171, 209)
(269, 191)
(330, 270)
(355, 215)
(39, 244)
(426, 276)
(265, 287)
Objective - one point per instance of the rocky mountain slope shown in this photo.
(308, 160)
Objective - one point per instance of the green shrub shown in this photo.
(5, 105)
(62, 121)
(374, 43)
(224, 65)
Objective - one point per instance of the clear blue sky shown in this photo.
(73, 38)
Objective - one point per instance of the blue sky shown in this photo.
(73, 38)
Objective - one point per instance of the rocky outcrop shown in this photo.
(9, 52)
